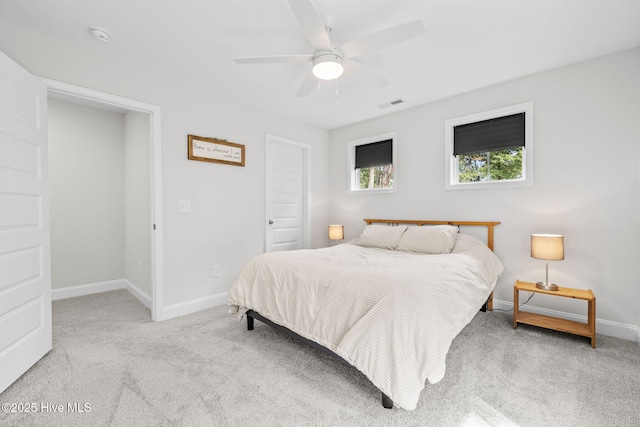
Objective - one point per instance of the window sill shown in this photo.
(486, 185)
(372, 191)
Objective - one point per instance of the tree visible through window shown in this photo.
(376, 177)
(490, 165)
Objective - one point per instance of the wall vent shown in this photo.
(392, 103)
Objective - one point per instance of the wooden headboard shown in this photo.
(488, 224)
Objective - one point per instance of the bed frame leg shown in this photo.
(249, 323)
(488, 305)
(387, 403)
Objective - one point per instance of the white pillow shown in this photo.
(429, 239)
(381, 236)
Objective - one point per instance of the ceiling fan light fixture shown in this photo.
(327, 65)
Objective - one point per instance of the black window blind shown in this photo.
(499, 133)
(374, 154)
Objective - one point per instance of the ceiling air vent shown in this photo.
(392, 103)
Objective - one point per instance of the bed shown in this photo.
(389, 303)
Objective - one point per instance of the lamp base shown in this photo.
(547, 286)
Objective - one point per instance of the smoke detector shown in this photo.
(100, 34)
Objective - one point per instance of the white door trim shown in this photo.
(157, 287)
(306, 187)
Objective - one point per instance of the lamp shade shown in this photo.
(549, 247)
(336, 232)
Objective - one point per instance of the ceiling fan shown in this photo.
(328, 60)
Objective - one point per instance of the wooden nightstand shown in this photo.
(584, 329)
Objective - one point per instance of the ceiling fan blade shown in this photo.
(382, 39)
(273, 59)
(368, 74)
(307, 85)
(311, 23)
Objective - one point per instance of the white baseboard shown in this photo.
(169, 312)
(88, 289)
(98, 287)
(140, 295)
(189, 307)
(604, 327)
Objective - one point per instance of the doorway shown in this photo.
(101, 100)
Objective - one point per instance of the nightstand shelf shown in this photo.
(578, 328)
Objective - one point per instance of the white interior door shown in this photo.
(25, 271)
(287, 194)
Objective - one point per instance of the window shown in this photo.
(372, 165)
(493, 149)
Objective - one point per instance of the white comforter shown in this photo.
(391, 314)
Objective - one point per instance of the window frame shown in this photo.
(451, 163)
(353, 180)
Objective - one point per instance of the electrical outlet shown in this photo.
(215, 271)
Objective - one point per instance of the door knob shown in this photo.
(270, 222)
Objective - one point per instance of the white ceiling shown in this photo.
(468, 44)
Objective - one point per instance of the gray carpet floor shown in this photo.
(207, 369)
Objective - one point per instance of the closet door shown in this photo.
(287, 194)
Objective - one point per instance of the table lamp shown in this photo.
(336, 232)
(549, 247)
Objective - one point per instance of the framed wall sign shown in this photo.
(215, 150)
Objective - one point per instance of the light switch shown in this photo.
(184, 205)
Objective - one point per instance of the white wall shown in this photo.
(586, 180)
(137, 188)
(227, 224)
(86, 151)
